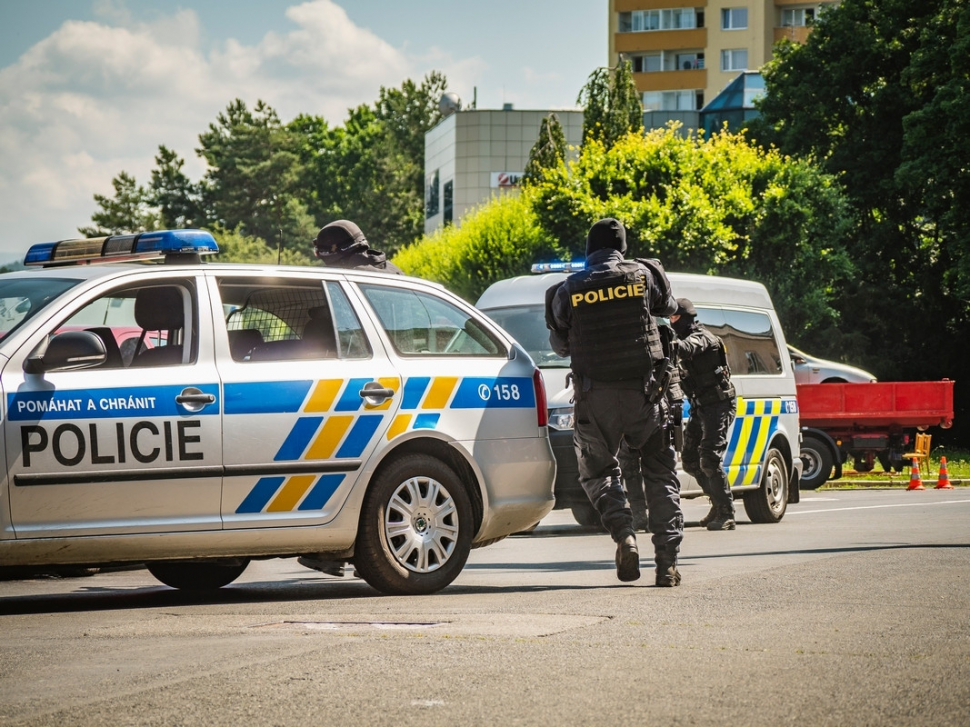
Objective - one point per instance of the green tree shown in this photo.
(179, 201)
(611, 104)
(498, 240)
(712, 206)
(879, 95)
(549, 151)
(130, 210)
(253, 178)
(236, 247)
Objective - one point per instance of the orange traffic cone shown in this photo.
(915, 483)
(943, 483)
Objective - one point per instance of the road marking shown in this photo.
(877, 507)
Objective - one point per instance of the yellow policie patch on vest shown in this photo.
(628, 290)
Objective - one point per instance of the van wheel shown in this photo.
(201, 576)
(816, 463)
(768, 503)
(416, 528)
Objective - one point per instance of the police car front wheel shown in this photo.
(416, 527)
(197, 576)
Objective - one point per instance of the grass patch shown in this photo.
(957, 467)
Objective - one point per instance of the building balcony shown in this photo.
(670, 80)
(655, 40)
(623, 6)
(794, 33)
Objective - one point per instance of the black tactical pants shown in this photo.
(604, 414)
(705, 441)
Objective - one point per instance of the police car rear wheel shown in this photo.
(197, 576)
(768, 503)
(416, 528)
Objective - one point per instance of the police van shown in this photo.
(260, 412)
(761, 461)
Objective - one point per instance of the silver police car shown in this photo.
(194, 417)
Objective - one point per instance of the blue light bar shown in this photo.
(559, 266)
(122, 248)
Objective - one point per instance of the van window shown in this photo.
(748, 337)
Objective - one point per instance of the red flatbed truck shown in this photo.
(868, 422)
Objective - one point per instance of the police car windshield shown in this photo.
(22, 298)
(527, 325)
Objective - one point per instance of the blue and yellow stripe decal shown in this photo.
(754, 427)
(333, 422)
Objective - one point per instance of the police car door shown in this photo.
(307, 397)
(133, 444)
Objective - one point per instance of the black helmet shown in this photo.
(685, 308)
(338, 236)
(607, 233)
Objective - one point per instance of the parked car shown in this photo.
(195, 417)
(812, 370)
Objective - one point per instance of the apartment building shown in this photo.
(685, 52)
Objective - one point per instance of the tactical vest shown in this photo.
(613, 337)
(707, 376)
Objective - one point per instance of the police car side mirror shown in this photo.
(66, 352)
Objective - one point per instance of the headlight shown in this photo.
(562, 418)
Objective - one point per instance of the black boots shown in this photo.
(627, 559)
(707, 518)
(723, 520)
(667, 574)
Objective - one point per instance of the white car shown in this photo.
(812, 370)
(279, 412)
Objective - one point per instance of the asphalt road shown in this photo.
(855, 610)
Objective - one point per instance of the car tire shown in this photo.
(816, 463)
(768, 503)
(587, 516)
(202, 576)
(416, 528)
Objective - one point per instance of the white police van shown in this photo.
(261, 412)
(762, 459)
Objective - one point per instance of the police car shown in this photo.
(261, 412)
(762, 459)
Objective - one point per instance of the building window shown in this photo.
(673, 100)
(797, 17)
(734, 60)
(431, 196)
(734, 18)
(638, 21)
(449, 201)
(667, 61)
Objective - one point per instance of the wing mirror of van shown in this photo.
(67, 351)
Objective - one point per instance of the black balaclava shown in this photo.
(608, 233)
(687, 313)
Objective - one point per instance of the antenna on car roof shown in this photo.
(279, 254)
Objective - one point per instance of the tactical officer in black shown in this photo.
(341, 244)
(706, 378)
(629, 459)
(603, 317)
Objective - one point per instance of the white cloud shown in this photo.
(95, 98)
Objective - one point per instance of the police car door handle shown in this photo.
(194, 399)
(374, 393)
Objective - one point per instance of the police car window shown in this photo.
(748, 337)
(282, 320)
(423, 325)
(142, 326)
(21, 298)
(527, 325)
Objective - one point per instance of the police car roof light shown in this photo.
(559, 266)
(122, 248)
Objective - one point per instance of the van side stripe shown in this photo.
(350, 400)
(291, 493)
(266, 397)
(323, 395)
(414, 389)
(257, 498)
(329, 437)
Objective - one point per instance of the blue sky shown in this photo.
(91, 88)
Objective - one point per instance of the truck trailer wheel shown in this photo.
(768, 503)
(816, 463)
